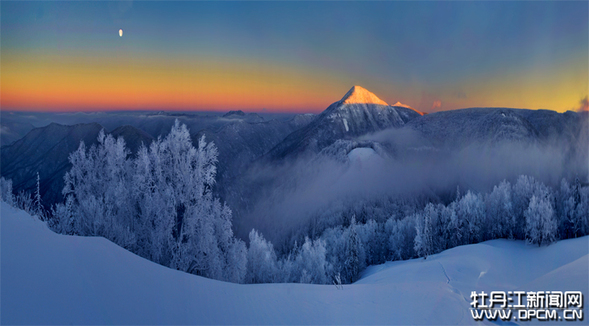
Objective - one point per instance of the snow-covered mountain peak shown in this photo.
(358, 113)
(360, 95)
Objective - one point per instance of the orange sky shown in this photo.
(98, 81)
(95, 82)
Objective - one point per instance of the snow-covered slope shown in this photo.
(55, 279)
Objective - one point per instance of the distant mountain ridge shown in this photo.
(238, 114)
(491, 125)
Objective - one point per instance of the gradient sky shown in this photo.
(292, 56)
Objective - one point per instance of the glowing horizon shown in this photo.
(71, 57)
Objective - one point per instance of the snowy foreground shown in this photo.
(55, 279)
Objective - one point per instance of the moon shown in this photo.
(121, 32)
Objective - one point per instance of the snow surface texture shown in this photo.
(49, 278)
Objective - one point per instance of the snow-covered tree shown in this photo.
(156, 209)
(311, 262)
(261, 260)
(373, 240)
(423, 237)
(523, 190)
(63, 216)
(471, 210)
(355, 254)
(439, 223)
(541, 224)
(578, 215)
(401, 239)
(448, 231)
(98, 183)
(336, 254)
(6, 194)
(456, 229)
(201, 237)
(236, 268)
(499, 211)
(24, 201)
(582, 212)
(566, 209)
(37, 202)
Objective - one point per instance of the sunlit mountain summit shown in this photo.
(360, 95)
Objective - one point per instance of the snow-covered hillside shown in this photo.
(49, 278)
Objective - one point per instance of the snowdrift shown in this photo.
(47, 278)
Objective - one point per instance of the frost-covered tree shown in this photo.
(582, 212)
(395, 240)
(201, 240)
(24, 201)
(6, 194)
(336, 254)
(456, 229)
(523, 191)
(423, 237)
(37, 202)
(373, 240)
(401, 240)
(447, 215)
(541, 224)
(355, 254)
(236, 268)
(439, 222)
(261, 260)
(98, 183)
(156, 208)
(233, 251)
(572, 210)
(471, 210)
(311, 262)
(499, 212)
(566, 210)
(63, 216)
